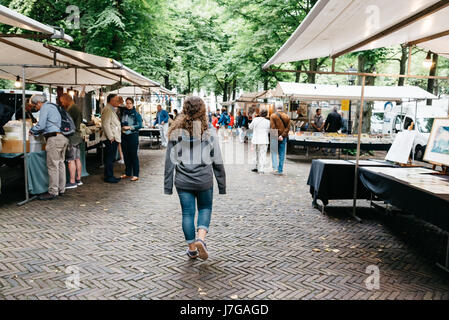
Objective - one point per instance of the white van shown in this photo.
(398, 119)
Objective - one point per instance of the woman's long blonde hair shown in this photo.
(193, 113)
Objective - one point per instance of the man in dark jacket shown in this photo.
(334, 121)
(333, 124)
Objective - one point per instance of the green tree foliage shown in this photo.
(216, 45)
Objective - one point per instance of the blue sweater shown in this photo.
(162, 116)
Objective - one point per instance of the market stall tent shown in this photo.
(15, 19)
(52, 65)
(336, 27)
(306, 91)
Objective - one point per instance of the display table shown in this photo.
(408, 196)
(37, 168)
(152, 134)
(334, 180)
(340, 145)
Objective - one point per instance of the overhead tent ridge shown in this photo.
(306, 91)
(335, 27)
(51, 65)
(15, 19)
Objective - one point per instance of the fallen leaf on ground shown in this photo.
(317, 250)
(234, 297)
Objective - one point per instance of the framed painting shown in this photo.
(437, 151)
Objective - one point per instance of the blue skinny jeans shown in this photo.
(189, 200)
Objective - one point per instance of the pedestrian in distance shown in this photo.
(162, 119)
(260, 140)
(280, 127)
(194, 153)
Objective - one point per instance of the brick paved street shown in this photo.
(266, 242)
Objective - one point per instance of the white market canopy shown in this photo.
(52, 65)
(336, 27)
(306, 91)
(130, 91)
(15, 19)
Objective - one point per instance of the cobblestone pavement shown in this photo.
(266, 242)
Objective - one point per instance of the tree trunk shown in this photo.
(361, 61)
(433, 72)
(167, 75)
(313, 66)
(298, 74)
(189, 83)
(225, 91)
(403, 64)
(234, 89)
(366, 122)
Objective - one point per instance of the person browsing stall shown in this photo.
(49, 125)
(73, 155)
(111, 136)
(162, 121)
(131, 124)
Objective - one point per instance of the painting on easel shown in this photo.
(437, 151)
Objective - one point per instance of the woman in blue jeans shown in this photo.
(194, 152)
(131, 124)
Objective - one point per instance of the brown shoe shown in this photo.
(134, 179)
(124, 176)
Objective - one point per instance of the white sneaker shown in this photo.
(121, 162)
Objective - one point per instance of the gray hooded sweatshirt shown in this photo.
(196, 161)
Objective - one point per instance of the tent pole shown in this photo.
(356, 174)
(24, 141)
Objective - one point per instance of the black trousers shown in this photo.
(110, 153)
(130, 148)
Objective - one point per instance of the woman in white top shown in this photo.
(261, 128)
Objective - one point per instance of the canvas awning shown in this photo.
(52, 65)
(335, 27)
(306, 91)
(15, 19)
(254, 96)
(130, 91)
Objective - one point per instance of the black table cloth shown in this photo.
(334, 180)
(423, 204)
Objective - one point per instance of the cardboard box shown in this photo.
(14, 146)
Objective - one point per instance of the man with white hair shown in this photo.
(280, 127)
(49, 126)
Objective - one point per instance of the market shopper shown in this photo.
(131, 124)
(242, 125)
(162, 121)
(280, 127)
(73, 154)
(333, 124)
(223, 123)
(49, 125)
(111, 136)
(194, 152)
(261, 128)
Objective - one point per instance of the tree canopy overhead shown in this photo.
(215, 45)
